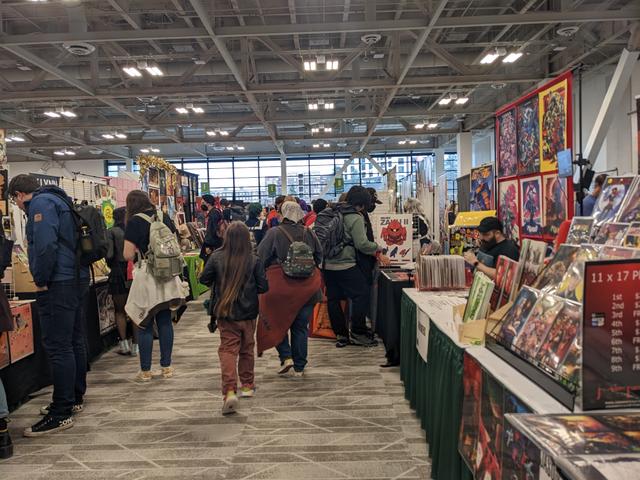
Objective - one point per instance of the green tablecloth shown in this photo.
(194, 267)
(434, 390)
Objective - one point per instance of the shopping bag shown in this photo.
(148, 296)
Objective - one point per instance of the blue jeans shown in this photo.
(62, 321)
(4, 407)
(298, 348)
(165, 335)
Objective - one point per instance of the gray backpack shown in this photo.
(164, 258)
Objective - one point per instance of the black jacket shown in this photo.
(275, 245)
(246, 307)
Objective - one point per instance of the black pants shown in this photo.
(351, 285)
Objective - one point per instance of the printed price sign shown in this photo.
(611, 344)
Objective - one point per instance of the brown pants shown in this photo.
(237, 345)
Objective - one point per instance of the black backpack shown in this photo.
(91, 229)
(329, 228)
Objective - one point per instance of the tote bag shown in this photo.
(148, 296)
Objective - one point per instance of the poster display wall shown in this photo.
(482, 190)
(532, 200)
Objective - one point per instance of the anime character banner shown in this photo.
(508, 209)
(528, 135)
(531, 206)
(555, 205)
(507, 144)
(395, 233)
(482, 188)
(553, 124)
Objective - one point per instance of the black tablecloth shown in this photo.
(390, 285)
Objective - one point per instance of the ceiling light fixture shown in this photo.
(419, 126)
(240, 147)
(155, 150)
(65, 113)
(16, 138)
(326, 145)
(512, 57)
(144, 150)
(462, 100)
(52, 114)
(328, 129)
(121, 135)
(432, 125)
(198, 110)
(412, 142)
(154, 71)
(402, 142)
(316, 145)
(108, 136)
(329, 106)
(310, 66)
(332, 65)
(132, 71)
(70, 153)
(59, 153)
(489, 58)
(211, 133)
(224, 133)
(315, 130)
(313, 106)
(445, 101)
(182, 110)
(230, 148)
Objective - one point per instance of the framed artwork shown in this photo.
(507, 144)
(154, 177)
(163, 182)
(5, 359)
(154, 196)
(481, 198)
(21, 338)
(531, 206)
(555, 204)
(106, 310)
(528, 137)
(553, 124)
(508, 209)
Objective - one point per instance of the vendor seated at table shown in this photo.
(493, 243)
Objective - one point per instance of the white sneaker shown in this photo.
(134, 350)
(124, 348)
(298, 374)
(286, 366)
(230, 403)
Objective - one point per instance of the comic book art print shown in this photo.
(563, 332)
(472, 397)
(528, 137)
(555, 203)
(21, 337)
(630, 211)
(508, 209)
(489, 449)
(614, 192)
(395, 234)
(106, 310)
(531, 206)
(482, 188)
(520, 456)
(553, 124)
(507, 144)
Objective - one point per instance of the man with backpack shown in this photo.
(56, 239)
(347, 250)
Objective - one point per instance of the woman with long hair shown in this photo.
(136, 241)
(118, 284)
(236, 277)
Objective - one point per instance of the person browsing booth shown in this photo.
(493, 244)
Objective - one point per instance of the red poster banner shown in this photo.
(611, 343)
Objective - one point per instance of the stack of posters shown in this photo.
(479, 298)
(572, 284)
(630, 210)
(440, 272)
(611, 234)
(550, 278)
(517, 315)
(532, 258)
(506, 270)
(580, 231)
(613, 196)
(537, 326)
(632, 237)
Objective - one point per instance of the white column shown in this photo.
(439, 163)
(283, 174)
(464, 146)
(129, 164)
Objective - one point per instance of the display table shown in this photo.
(388, 325)
(194, 268)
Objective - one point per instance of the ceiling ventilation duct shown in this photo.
(77, 24)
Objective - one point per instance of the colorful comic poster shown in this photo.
(538, 324)
(482, 188)
(517, 315)
(550, 278)
(611, 234)
(154, 177)
(106, 309)
(531, 206)
(508, 210)
(555, 203)
(491, 431)
(572, 285)
(531, 261)
(507, 144)
(580, 231)
(394, 233)
(632, 237)
(154, 196)
(470, 421)
(553, 124)
(520, 456)
(528, 137)
(509, 283)
(21, 337)
(570, 367)
(611, 199)
(563, 333)
(630, 211)
(5, 359)
(163, 182)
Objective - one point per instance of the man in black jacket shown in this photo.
(212, 239)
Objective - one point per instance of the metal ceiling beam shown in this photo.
(292, 18)
(289, 59)
(532, 18)
(187, 20)
(345, 18)
(131, 21)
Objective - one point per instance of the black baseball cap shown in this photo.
(374, 195)
(490, 224)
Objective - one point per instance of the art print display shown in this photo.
(21, 337)
(509, 283)
(509, 211)
(611, 234)
(538, 324)
(563, 332)
(154, 177)
(532, 258)
(472, 397)
(479, 298)
(531, 206)
(553, 124)
(489, 446)
(154, 196)
(630, 211)
(517, 315)
(571, 366)
(555, 205)
(572, 285)
(507, 144)
(614, 192)
(106, 309)
(632, 237)
(481, 198)
(520, 456)
(580, 231)
(163, 182)
(609, 252)
(5, 359)
(528, 134)
(501, 270)
(555, 270)
(394, 232)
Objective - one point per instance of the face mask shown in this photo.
(489, 244)
(371, 207)
(204, 208)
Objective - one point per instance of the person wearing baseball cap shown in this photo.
(493, 244)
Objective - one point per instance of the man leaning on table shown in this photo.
(493, 244)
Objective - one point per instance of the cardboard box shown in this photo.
(23, 280)
(474, 332)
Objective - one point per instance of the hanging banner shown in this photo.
(45, 180)
(271, 189)
(394, 232)
(204, 188)
(339, 184)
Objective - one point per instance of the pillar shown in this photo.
(464, 147)
(283, 174)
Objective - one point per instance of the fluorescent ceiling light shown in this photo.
(154, 71)
(182, 110)
(432, 125)
(132, 71)
(329, 106)
(328, 129)
(313, 106)
(108, 136)
(462, 100)
(224, 133)
(240, 147)
(512, 57)
(70, 153)
(310, 66)
(120, 135)
(445, 101)
(60, 153)
(198, 110)
(16, 138)
(230, 148)
(211, 133)
(489, 58)
(402, 142)
(8, 140)
(144, 150)
(327, 145)
(68, 113)
(332, 65)
(316, 145)
(315, 130)
(412, 142)
(52, 114)
(155, 150)
(419, 126)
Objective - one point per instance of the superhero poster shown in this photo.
(488, 465)
(528, 137)
(553, 125)
(21, 337)
(508, 210)
(520, 456)
(630, 211)
(611, 199)
(507, 145)
(394, 232)
(555, 203)
(482, 188)
(472, 391)
(531, 206)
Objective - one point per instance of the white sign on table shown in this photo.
(422, 334)
(394, 233)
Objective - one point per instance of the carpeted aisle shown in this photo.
(346, 419)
